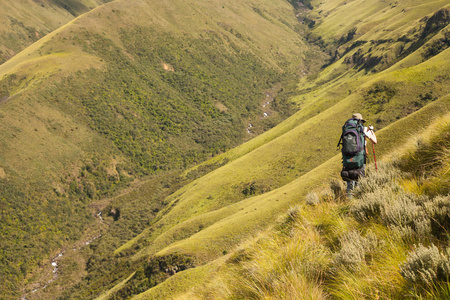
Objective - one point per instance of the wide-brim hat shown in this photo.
(358, 116)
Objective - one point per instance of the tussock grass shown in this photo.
(278, 266)
(428, 153)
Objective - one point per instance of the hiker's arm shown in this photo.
(370, 134)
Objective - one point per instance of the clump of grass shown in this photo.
(280, 267)
(287, 222)
(335, 191)
(286, 269)
(290, 262)
(327, 194)
(428, 158)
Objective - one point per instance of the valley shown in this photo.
(187, 149)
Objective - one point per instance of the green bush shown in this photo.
(164, 119)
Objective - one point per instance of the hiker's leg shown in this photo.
(350, 186)
(362, 174)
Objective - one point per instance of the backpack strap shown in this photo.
(339, 143)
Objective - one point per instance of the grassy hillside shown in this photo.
(388, 61)
(25, 22)
(128, 92)
(388, 243)
(400, 94)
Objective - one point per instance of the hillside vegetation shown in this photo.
(389, 242)
(125, 96)
(24, 22)
(278, 169)
(89, 110)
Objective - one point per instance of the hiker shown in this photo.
(354, 150)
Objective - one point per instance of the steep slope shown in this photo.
(379, 245)
(277, 162)
(24, 22)
(307, 260)
(127, 90)
(395, 73)
(209, 217)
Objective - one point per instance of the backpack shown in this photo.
(353, 144)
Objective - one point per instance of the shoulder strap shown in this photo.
(340, 139)
(339, 143)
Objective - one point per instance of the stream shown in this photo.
(265, 114)
(54, 262)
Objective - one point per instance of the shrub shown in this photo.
(370, 205)
(438, 211)
(312, 198)
(338, 188)
(406, 216)
(386, 176)
(426, 265)
(355, 249)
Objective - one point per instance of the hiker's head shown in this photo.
(358, 116)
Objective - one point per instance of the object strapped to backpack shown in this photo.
(353, 144)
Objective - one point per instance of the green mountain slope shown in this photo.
(298, 256)
(128, 90)
(378, 245)
(174, 84)
(25, 22)
(209, 217)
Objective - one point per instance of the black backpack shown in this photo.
(353, 144)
